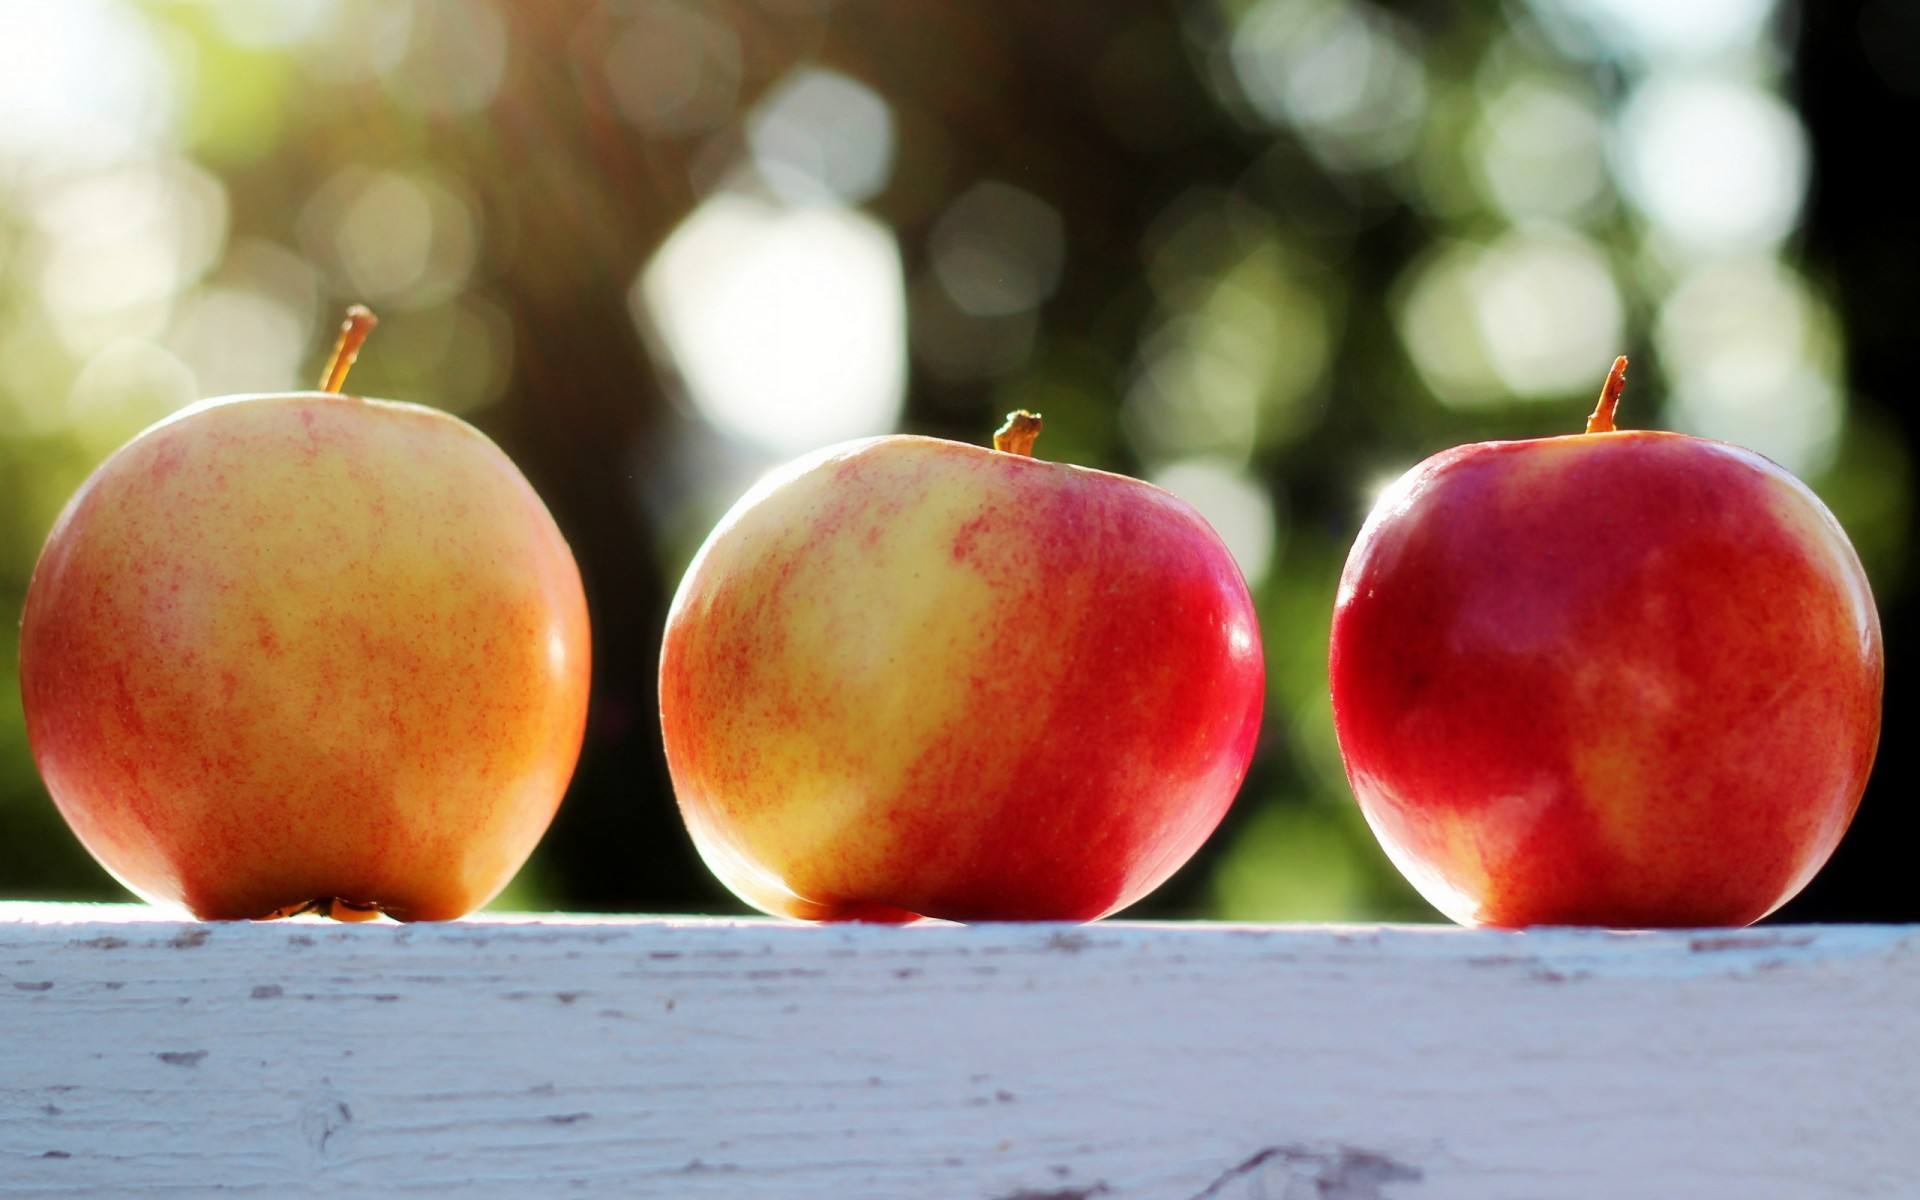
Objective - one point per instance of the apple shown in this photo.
(911, 677)
(1621, 678)
(307, 652)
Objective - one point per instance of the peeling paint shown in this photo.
(1550, 975)
(1746, 941)
(1341, 1173)
(181, 1058)
(1066, 1193)
(322, 1119)
(1164, 1062)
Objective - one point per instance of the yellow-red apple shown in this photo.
(1622, 678)
(307, 652)
(908, 676)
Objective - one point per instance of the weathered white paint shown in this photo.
(699, 1059)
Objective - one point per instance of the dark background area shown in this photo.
(1268, 254)
(1858, 72)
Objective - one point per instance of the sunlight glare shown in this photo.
(1715, 165)
(83, 83)
(787, 325)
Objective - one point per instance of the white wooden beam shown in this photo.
(693, 1058)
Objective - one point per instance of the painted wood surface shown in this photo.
(694, 1058)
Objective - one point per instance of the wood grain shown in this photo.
(694, 1058)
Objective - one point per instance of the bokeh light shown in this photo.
(1541, 151)
(674, 70)
(1751, 355)
(1659, 29)
(998, 250)
(393, 237)
(821, 135)
(787, 326)
(1266, 254)
(82, 84)
(1235, 351)
(455, 52)
(280, 24)
(1713, 164)
(1527, 317)
(116, 245)
(1343, 73)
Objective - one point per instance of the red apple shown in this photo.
(907, 676)
(307, 651)
(1625, 678)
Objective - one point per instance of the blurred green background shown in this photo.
(1267, 253)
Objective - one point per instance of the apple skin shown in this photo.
(911, 677)
(304, 648)
(1627, 679)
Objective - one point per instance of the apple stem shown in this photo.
(1018, 434)
(1602, 419)
(353, 331)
